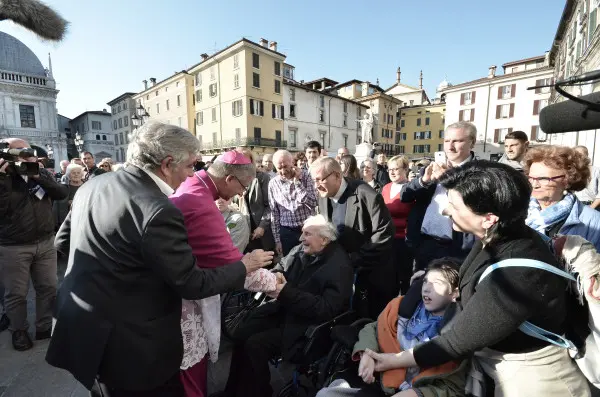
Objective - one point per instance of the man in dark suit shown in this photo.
(118, 310)
(365, 230)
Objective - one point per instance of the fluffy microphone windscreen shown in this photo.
(35, 16)
(570, 116)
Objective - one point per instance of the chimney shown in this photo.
(323, 85)
(153, 81)
(492, 72)
(421, 80)
(264, 42)
(104, 111)
(145, 84)
(204, 56)
(398, 73)
(273, 46)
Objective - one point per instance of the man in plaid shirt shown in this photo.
(292, 198)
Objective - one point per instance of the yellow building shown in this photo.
(170, 100)
(238, 95)
(384, 108)
(421, 130)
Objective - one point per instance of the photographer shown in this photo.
(27, 241)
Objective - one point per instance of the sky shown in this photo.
(113, 45)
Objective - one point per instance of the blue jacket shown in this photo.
(583, 221)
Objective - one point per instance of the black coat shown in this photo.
(493, 310)
(118, 309)
(381, 175)
(318, 288)
(25, 219)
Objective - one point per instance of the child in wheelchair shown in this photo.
(405, 323)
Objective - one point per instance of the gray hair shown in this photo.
(281, 154)
(467, 127)
(328, 163)
(154, 141)
(326, 229)
(220, 169)
(72, 167)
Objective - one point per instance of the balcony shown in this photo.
(248, 141)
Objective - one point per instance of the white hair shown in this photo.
(467, 127)
(281, 154)
(72, 167)
(155, 141)
(326, 229)
(65, 163)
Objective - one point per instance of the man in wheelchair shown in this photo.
(314, 287)
(405, 323)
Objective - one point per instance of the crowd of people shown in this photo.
(152, 245)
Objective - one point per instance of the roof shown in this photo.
(96, 112)
(537, 58)
(304, 87)
(245, 40)
(120, 98)
(404, 85)
(562, 28)
(153, 87)
(17, 57)
(325, 79)
(498, 77)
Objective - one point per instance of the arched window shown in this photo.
(97, 137)
(103, 137)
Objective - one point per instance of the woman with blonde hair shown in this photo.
(106, 164)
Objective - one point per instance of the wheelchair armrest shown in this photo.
(347, 335)
(344, 318)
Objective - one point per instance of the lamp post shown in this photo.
(140, 117)
(49, 151)
(78, 142)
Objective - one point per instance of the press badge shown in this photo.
(38, 192)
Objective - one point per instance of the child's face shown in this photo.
(437, 293)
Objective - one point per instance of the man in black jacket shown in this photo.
(315, 287)
(365, 228)
(26, 245)
(119, 307)
(90, 164)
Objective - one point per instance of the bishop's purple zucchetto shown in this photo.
(233, 157)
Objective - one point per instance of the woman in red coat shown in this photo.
(398, 172)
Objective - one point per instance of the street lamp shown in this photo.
(78, 142)
(140, 117)
(50, 151)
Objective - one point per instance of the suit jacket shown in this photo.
(258, 205)
(119, 306)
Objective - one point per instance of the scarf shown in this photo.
(422, 325)
(541, 219)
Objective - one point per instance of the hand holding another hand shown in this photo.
(256, 259)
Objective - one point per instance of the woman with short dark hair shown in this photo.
(490, 200)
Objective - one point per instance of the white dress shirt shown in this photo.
(162, 185)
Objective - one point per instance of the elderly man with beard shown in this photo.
(292, 199)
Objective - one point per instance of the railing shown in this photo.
(230, 143)
(22, 78)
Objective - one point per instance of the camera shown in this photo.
(14, 156)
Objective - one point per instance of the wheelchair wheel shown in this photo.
(292, 389)
(236, 307)
(334, 365)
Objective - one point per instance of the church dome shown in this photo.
(17, 57)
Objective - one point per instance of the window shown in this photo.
(466, 115)
(177, 84)
(440, 147)
(198, 96)
(124, 105)
(293, 134)
(441, 134)
(120, 138)
(257, 133)
(156, 93)
(345, 107)
(98, 138)
(278, 137)
(257, 108)
(506, 92)
(402, 124)
(148, 97)
(538, 105)
(255, 60)
(157, 108)
(505, 111)
(125, 121)
(212, 73)
(426, 120)
(277, 111)
(345, 138)
(322, 134)
(167, 104)
(321, 115)
(114, 111)
(237, 107)
(418, 122)
(116, 139)
(198, 79)
(119, 109)
(345, 121)
(255, 80)
(27, 116)
(214, 138)
(292, 94)
(500, 133)
(212, 90)
(401, 149)
(115, 124)
(277, 68)
(236, 80)
(236, 61)
(97, 125)
(541, 82)
(126, 140)
(178, 100)
(199, 118)
(214, 114)
(120, 124)
(390, 119)
(292, 110)
(277, 87)
(322, 101)
(421, 148)
(467, 98)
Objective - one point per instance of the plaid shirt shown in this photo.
(291, 203)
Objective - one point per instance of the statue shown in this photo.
(366, 124)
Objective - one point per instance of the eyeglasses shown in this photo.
(321, 181)
(395, 169)
(240, 182)
(544, 180)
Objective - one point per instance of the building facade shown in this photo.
(318, 115)
(169, 101)
(409, 95)
(28, 99)
(576, 50)
(238, 94)
(97, 134)
(122, 109)
(498, 104)
(420, 130)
